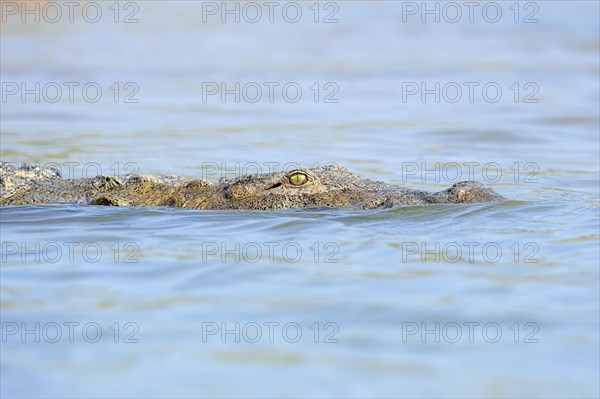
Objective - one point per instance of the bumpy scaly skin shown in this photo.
(329, 186)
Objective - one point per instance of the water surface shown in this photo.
(484, 300)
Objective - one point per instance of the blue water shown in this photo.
(485, 300)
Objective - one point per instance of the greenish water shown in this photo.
(486, 300)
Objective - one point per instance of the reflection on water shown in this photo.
(489, 300)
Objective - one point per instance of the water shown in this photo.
(320, 302)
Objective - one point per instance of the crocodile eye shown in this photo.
(298, 178)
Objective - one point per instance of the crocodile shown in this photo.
(332, 186)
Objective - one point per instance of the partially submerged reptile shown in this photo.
(331, 186)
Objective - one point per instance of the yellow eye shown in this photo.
(298, 178)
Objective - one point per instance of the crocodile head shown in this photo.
(332, 186)
(327, 186)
